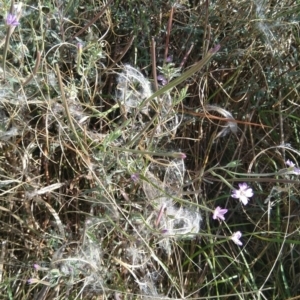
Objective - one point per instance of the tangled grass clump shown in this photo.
(127, 129)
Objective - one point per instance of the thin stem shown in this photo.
(92, 21)
(65, 104)
(153, 59)
(186, 56)
(34, 71)
(168, 34)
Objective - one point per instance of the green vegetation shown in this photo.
(149, 149)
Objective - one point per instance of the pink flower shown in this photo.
(236, 238)
(12, 20)
(169, 59)
(290, 164)
(182, 155)
(135, 177)
(79, 47)
(32, 280)
(243, 193)
(162, 79)
(219, 213)
(36, 267)
(215, 49)
(296, 171)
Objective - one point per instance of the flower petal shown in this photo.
(244, 199)
(248, 193)
(219, 213)
(290, 163)
(236, 238)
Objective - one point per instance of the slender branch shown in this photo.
(65, 104)
(153, 59)
(123, 52)
(93, 20)
(34, 71)
(186, 56)
(168, 33)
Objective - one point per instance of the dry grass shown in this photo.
(123, 126)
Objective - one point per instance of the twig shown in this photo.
(34, 71)
(65, 104)
(168, 33)
(153, 59)
(186, 56)
(123, 52)
(92, 21)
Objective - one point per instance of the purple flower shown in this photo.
(182, 155)
(79, 47)
(290, 164)
(219, 213)
(215, 49)
(32, 280)
(236, 238)
(135, 177)
(296, 171)
(12, 20)
(162, 79)
(243, 193)
(36, 267)
(169, 59)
